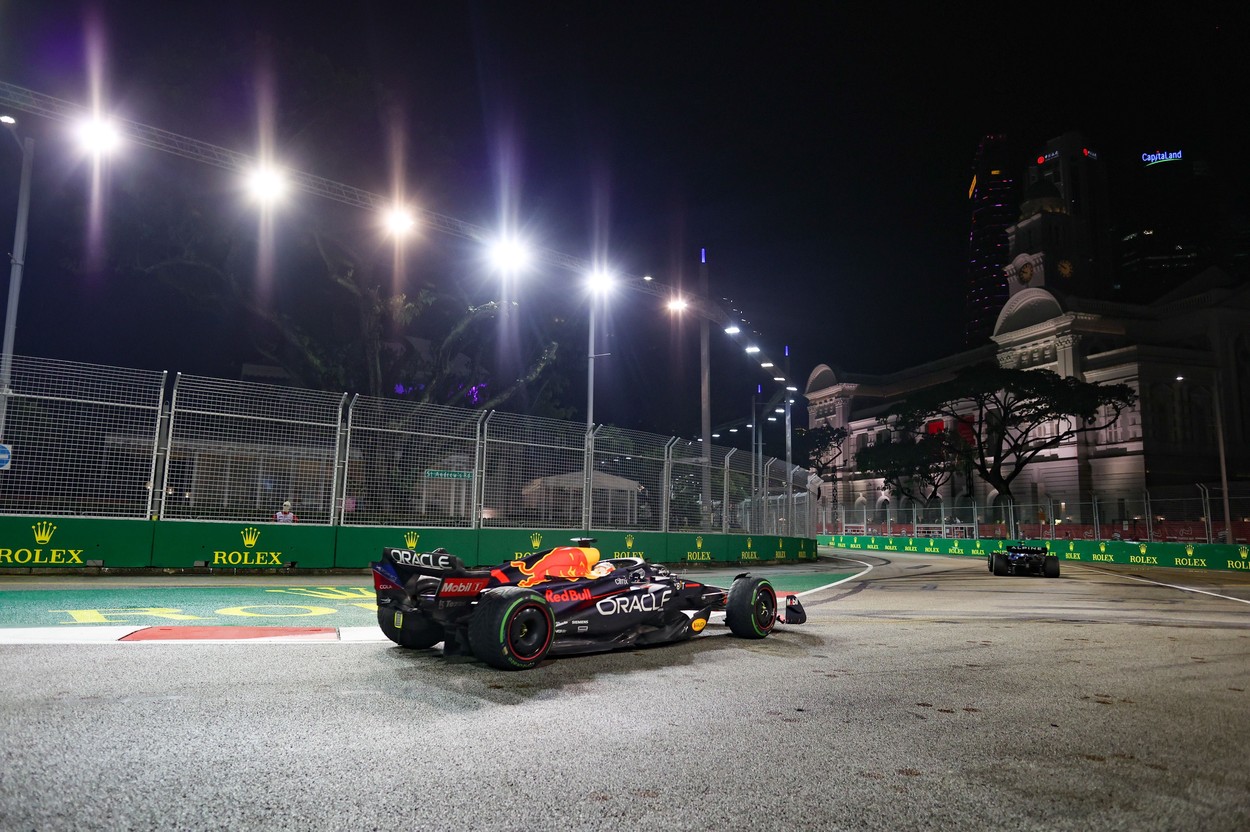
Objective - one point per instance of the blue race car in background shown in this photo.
(1024, 560)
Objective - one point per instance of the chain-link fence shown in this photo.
(629, 482)
(93, 441)
(533, 473)
(238, 450)
(83, 439)
(1164, 515)
(410, 466)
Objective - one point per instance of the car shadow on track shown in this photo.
(460, 683)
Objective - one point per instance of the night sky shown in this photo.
(820, 152)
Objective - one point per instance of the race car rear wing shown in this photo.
(429, 563)
(438, 572)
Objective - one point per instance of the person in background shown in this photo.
(285, 515)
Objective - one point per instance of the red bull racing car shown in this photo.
(556, 602)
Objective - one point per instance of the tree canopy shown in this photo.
(997, 421)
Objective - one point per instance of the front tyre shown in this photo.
(1050, 566)
(751, 610)
(411, 630)
(512, 628)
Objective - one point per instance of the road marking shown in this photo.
(1169, 586)
(867, 569)
(202, 635)
(233, 634)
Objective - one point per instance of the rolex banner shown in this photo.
(49, 543)
(180, 545)
(73, 542)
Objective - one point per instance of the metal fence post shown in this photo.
(666, 496)
(1206, 508)
(1097, 527)
(160, 450)
(173, 411)
(339, 484)
(1150, 532)
(724, 500)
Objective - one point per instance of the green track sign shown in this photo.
(433, 474)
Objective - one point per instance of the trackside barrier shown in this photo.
(1183, 555)
(44, 542)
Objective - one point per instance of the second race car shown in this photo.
(559, 601)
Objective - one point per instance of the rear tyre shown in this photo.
(751, 610)
(409, 629)
(1050, 566)
(999, 567)
(512, 628)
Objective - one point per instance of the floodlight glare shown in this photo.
(7, 119)
(677, 305)
(792, 390)
(399, 221)
(97, 137)
(732, 330)
(753, 349)
(766, 364)
(779, 378)
(600, 281)
(266, 184)
(509, 255)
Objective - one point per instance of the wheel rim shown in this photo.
(765, 608)
(528, 632)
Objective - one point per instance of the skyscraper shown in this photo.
(994, 208)
(1080, 178)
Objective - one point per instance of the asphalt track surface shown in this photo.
(924, 693)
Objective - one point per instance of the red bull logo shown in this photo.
(568, 562)
(564, 596)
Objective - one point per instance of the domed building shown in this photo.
(1188, 357)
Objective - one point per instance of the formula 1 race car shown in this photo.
(559, 601)
(1018, 560)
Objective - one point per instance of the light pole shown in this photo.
(705, 397)
(1219, 438)
(1219, 441)
(599, 283)
(18, 258)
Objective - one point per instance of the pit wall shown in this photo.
(79, 543)
(1185, 555)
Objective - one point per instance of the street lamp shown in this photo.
(600, 283)
(18, 259)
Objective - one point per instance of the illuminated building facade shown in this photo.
(1176, 353)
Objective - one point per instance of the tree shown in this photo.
(821, 447)
(915, 467)
(996, 421)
